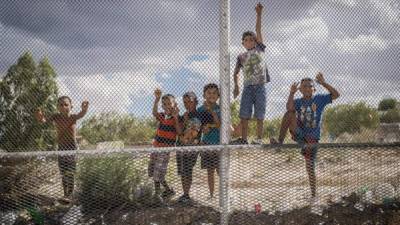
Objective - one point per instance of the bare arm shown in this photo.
(321, 80)
(216, 119)
(236, 80)
(259, 8)
(178, 125)
(157, 94)
(82, 113)
(290, 103)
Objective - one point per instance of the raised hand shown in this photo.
(175, 112)
(85, 105)
(259, 8)
(294, 88)
(320, 78)
(157, 93)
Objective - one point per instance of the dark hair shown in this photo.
(210, 86)
(307, 79)
(167, 96)
(60, 99)
(191, 95)
(248, 33)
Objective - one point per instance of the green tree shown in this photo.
(387, 104)
(389, 110)
(350, 118)
(390, 116)
(24, 88)
(117, 127)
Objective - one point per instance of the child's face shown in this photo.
(168, 105)
(249, 42)
(64, 106)
(307, 88)
(211, 95)
(190, 104)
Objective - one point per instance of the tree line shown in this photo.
(27, 86)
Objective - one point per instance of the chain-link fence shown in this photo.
(141, 112)
(266, 186)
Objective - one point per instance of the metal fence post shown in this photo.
(224, 73)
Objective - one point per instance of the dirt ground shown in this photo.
(277, 181)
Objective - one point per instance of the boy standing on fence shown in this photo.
(255, 76)
(211, 124)
(65, 123)
(303, 119)
(191, 135)
(168, 129)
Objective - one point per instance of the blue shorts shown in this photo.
(253, 95)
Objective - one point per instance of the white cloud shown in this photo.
(208, 68)
(362, 43)
(109, 93)
(387, 10)
(274, 49)
(313, 29)
(177, 9)
(348, 3)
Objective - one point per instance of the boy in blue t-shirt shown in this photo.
(255, 76)
(211, 122)
(303, 119)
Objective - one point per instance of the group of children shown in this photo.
(200, 125)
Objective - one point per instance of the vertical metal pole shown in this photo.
(224, 73)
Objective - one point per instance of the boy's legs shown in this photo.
(260, 128)
(311, 177)
(288, 123)
(188, 161)
(67, 167)
(160, 170)
(245, 126)
(210, 161)
(246, 109)
(309, 152)
(259, 108)
(210, 179)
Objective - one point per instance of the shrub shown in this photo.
(387, 104)
(390, 116)
(112, 182)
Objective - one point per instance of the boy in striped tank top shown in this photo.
(167, 131)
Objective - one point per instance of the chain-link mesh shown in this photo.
(116, 149)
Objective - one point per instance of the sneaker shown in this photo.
(258, 141)
(65, 200)
(239, 141)
(168, 193)
(184, 199)
(157, 200)
(276, 144)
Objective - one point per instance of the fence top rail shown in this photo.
(144, 150)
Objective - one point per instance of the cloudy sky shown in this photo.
(114, 53)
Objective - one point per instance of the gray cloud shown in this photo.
(85, 38)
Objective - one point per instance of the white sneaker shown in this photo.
(257, 142)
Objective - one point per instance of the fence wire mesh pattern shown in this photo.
(200, 112)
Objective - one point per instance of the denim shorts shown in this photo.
(253, 95)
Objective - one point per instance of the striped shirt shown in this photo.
(166, 132)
